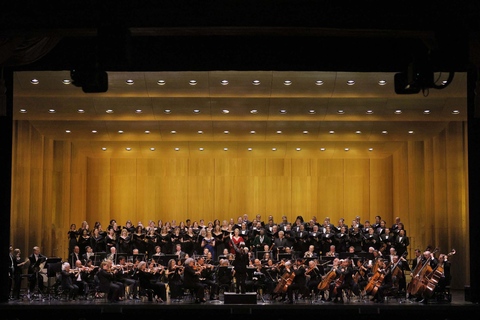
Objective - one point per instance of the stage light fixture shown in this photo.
(340, 111)
(167, 111)
(398, 111)
(350, 82)
(109, 111)
(225, 149)
(196, 111)
(177, 149)
(200, 131)
(129, 82)
(225, 111)
(104, 149)
(68, 131)
(94, 131)
(51, 111)
(322, 149)
(147, 131)
(254, 111)
(201, 149)
(224, 82)
(81, 111)
(152, 149)
(369, 112)
(331, 132)
(128, 149)
(173, 132)
(298, 149)
(256, 82)
(120, 131)
(34, 81)
(427, 111)
(455, 112)
(66, 81)
(193, 82)
(312, 111)
(138, 111)
(287, 82)
(319, 82)
(161, 82)
(274, 149)
(382, 82)
(249, 149)
(23, 110)
(283, 111)
(252, 132)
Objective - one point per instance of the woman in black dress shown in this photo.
(151, 242)
(164, 241)
(219, 241)
(72, 236)
(111, 240)
(139, 240)
(176, 238)
(98, 241)
(174, 274)
(124, 243)
(198, 245)
(189, 240)
(17, 274)
(83, 241)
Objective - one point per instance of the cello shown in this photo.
(325, 283)
(376, 281)
(284, 281)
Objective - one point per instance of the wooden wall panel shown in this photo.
(416, 197)
(440, 194)
(357, 188)
(278, 189)
(381, 189)
(429, 195)
(146, 192)
(98, 191)
(304, 188)
(78, 192)
(123, 190)
(330, 199)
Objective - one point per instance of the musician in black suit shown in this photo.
(145, 277)
(401, 242)
(386, 284)
(417, 259)
(299, 281)
(36, 258)
(192, 281)
(75, 256)
(208, 278)
(107, 285)
(314, 276)
(446, 276)
(240, 264)
(67, 282)
(345, 270)
(89, 255)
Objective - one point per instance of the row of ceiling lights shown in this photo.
(251, 132)
(226, 149)
(223, 82)
(254, 111)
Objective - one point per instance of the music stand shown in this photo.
(98, 257)
(54, 266)
(286, 256)
(36, 270)
(139, 256)
(260, 254)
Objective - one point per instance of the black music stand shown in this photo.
(98, 257)
(286, 256)
(54, 266)
(139, 256)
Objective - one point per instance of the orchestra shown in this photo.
(307, 260)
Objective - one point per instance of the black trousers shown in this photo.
(72, 290)
(114, 291)
(176, 290)
(212, 285)
(295, 286)
(342, 287)
(33, 281)
(240, 280)
(199, 289)
(380, 296)
(159, 290)
(83, 286)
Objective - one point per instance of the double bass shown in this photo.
(434, 278)
(418, 283)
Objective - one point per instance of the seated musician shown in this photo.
(207, 277)
(144, 278)
(192, 281)
(386, 284)
(174, 273)
(88, 255)
(362, 267)
(402, 265)
(331, 286)
(81, 278)
(314, 276)
(257, 276)
(346, 271)
(125, 277)
(332, 252)
(446, 275)
(67, 282)
(107, 285)
(311, 253)
(299, 281)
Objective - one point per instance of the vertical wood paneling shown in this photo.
(357, 188)
(278, 186)
(429, 194)
(381, 192)
(440, 194)
(98, 190)
(330, 199)
(416, 197)
(123, 190)
(146, 192)
(304, 188)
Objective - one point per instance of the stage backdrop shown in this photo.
(423, 183)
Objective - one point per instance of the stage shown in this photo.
(82, 309)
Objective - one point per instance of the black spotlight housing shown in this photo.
(90, 80)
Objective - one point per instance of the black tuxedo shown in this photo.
(67, 284)
(192, 281)
(107, 285)
(73, 259)
(31, 271)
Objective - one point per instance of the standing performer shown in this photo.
(33, 269)
(240, 264)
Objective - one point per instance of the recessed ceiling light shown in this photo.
(312, 111)
(283, 111)
(256, 82)
(346, 149)
(224, 82)
(128, 149)
(350, 82)
(370, 149)
(94, 131)
(200, 131)
(226, 132)
(254, 111)
(369, 112)
(279, 131)
(358, 132)
(331, 132)
(249, 149)
(51, 110)
(252, 132)
(120, 131)
(319, 82)
(384, 131)
(444, 82)
(196, 111)
(152, 149)
(225, 149)
(455, 111)
(177, 149)
(147, 131)
(81, 111)
(287, 82)
(274, 149)
(23, 110)
(173, 132)
(129, 82)
(225, 111)
(322, 149)
(201, 149)
(34, 81)
(382, 82)
(138, 111)
(68, 131)
(398, 111)
(193, 82)
(427, 111)
(298, 149)
(161, 82)
(305, 131)
(66, 81)
(109, 111)
(411, 132)
(340, 111)
(104, 149)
